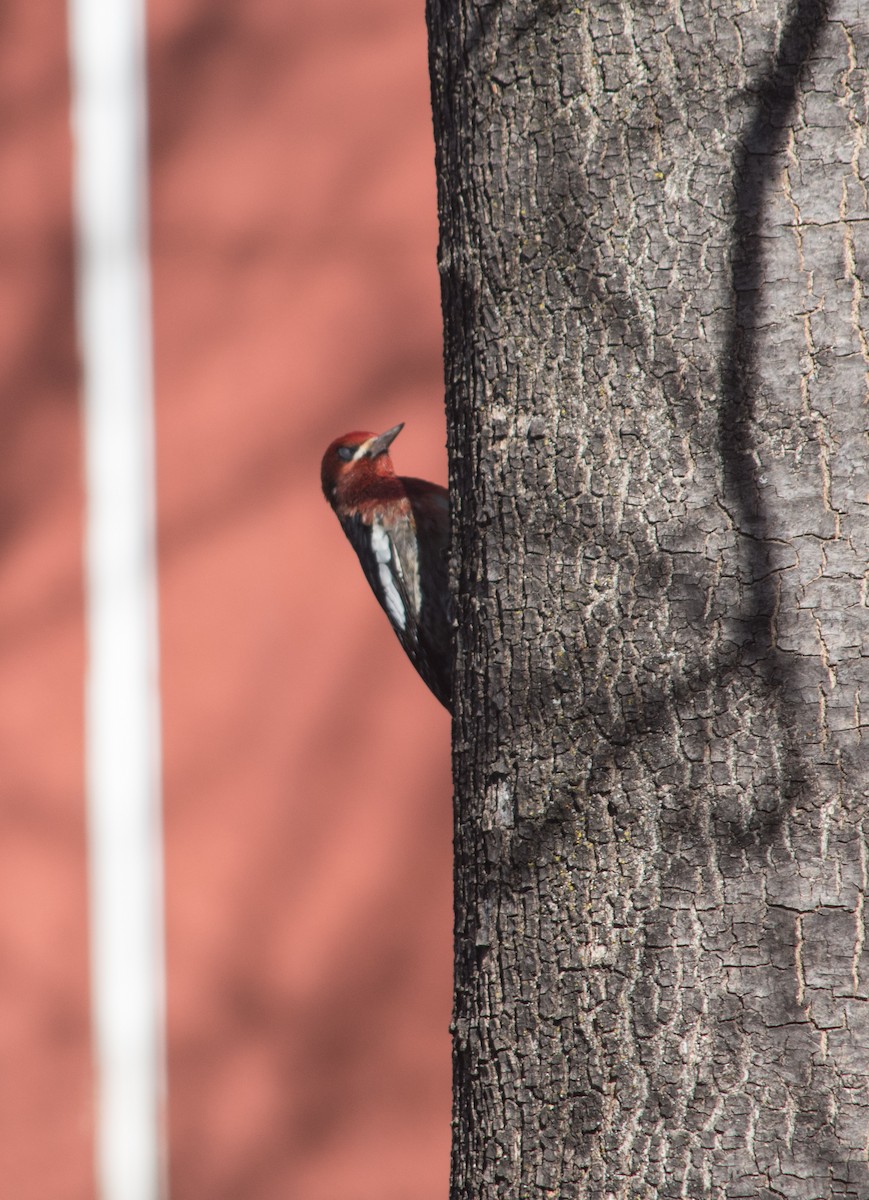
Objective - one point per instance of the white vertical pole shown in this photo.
(122, 699)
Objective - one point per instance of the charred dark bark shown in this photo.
(654, 241)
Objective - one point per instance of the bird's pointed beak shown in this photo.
(381, 443)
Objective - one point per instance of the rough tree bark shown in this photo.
(654, 253)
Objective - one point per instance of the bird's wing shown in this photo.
(388, 569)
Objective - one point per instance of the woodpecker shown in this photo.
(400, 529)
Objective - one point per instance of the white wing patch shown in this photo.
(383, 554)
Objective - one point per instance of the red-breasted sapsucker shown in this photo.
(400, 528)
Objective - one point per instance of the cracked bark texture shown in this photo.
(654, 256)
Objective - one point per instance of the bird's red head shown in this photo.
(353, 461)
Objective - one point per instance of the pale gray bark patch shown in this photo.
(654, 252)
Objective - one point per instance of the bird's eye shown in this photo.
(346, 453)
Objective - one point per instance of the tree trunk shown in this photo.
(654, 242)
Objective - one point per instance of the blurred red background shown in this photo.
(306, 767)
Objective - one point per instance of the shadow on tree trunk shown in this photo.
(756, 164)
